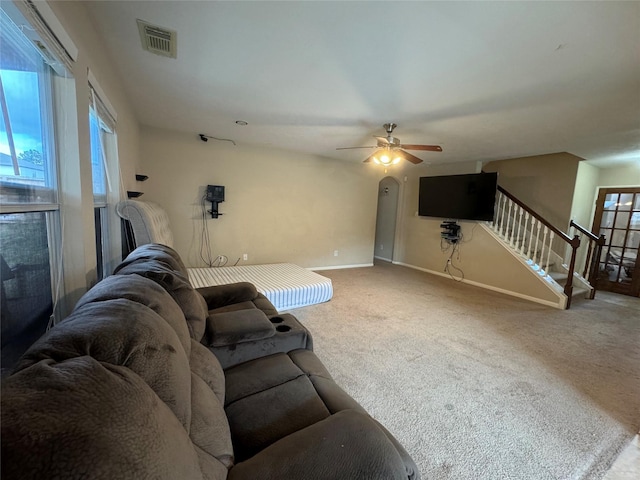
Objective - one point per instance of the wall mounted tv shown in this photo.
(459, 197)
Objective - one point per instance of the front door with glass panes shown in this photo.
(618, 218)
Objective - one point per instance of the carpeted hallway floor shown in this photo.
(478, 385)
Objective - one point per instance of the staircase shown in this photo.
(546, 250)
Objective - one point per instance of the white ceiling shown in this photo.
(485, 80)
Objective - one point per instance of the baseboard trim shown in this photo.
(383, 259)
(548, 303)
(340, 267)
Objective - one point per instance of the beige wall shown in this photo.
(279, 206)
(482, 258)
(544, 182)
(410, 247)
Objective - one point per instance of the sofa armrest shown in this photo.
(220, 295)
(346, 445)
(230, 328)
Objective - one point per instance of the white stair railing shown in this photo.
(521, 230)
(532, 237)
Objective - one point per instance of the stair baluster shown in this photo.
(530, 235)
(518, 238)
(536, 249)
(544, 242)
(546, 268)
(504, 208)
(509, 231)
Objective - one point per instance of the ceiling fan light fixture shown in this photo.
(386, 159)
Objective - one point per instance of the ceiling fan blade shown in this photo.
(411, 158)
(352, 148)
(431, 148)
(382, 140)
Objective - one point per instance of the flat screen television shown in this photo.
(458, 197)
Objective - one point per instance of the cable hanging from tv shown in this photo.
(450, 240)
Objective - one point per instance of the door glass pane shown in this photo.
(607, 219)
(628, 265)
(633, 239)
(26, 282)
(610, 201)
(626, 201)
(636, 203)
(618, 238)
(607, 234)
(604, 255)
(622, 220)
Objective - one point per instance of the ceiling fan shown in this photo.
(391, 151)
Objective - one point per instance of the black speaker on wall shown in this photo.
(215, 195)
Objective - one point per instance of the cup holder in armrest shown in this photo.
(283, 328)
(276, 319)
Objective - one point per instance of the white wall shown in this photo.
(587, 181)
(279, 206)
(622, 176)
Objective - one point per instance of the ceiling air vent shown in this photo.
(158, 40)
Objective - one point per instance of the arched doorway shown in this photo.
(388, 193)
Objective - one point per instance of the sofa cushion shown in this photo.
(348, 444)
(267, 399)
(209, 425)
(205, 365)
(238, 326)
(257, 375)
(146, 292)
(81, 418)
(191, 302)
(123, 332)
(261, 419)
(264, 304)
(156, 251)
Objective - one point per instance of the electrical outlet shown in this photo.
(335, 253)
(381, 246)
(245, 257)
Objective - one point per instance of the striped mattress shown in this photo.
(286, 285)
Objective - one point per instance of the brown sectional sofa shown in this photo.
(125, 388)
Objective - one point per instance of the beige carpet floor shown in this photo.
(478, 385)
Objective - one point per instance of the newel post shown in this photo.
(595, 265)
(568, 288)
